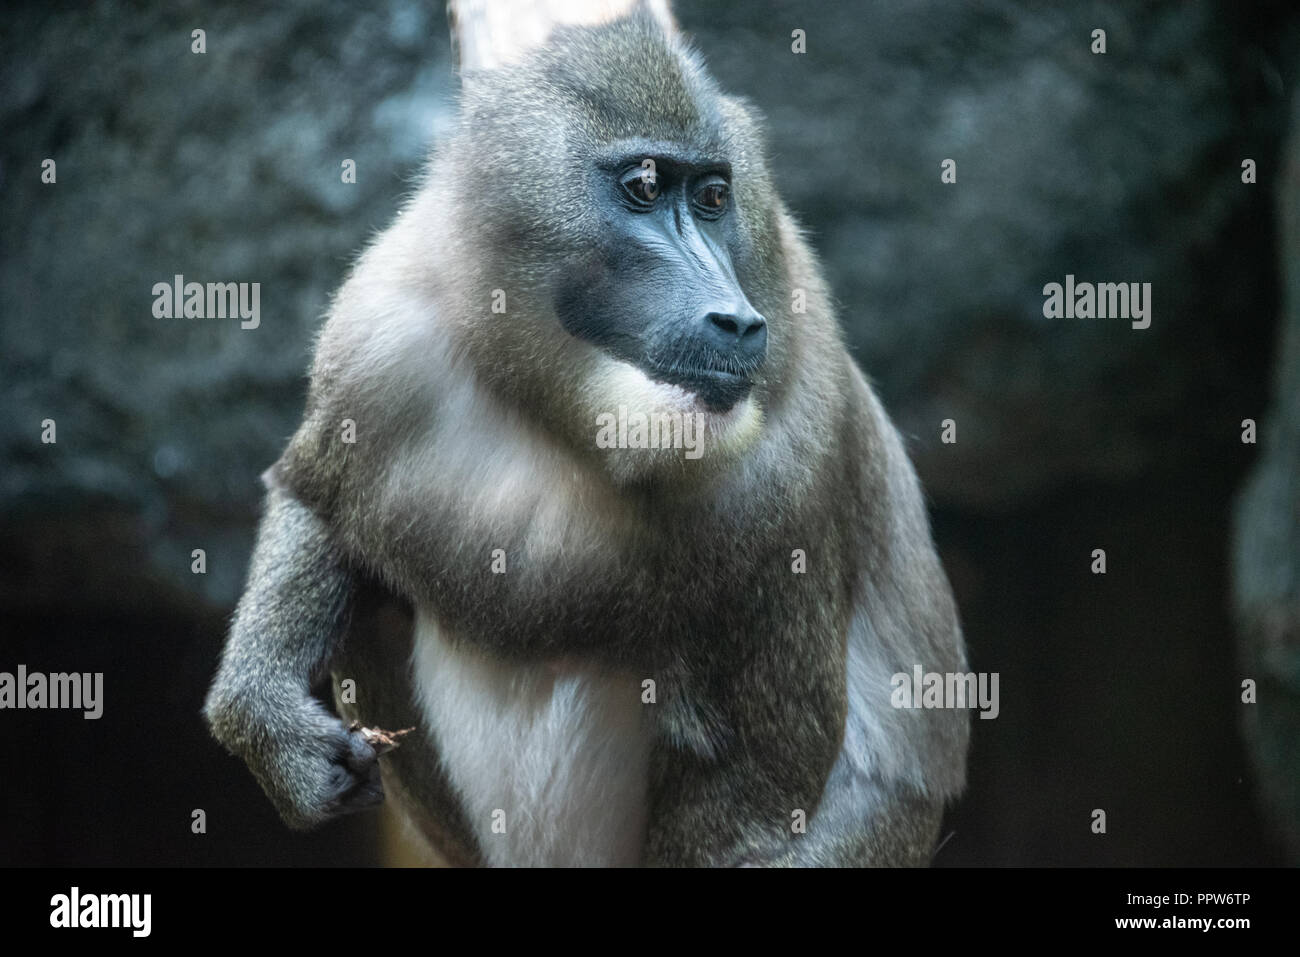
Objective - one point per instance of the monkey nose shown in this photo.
(741, 332)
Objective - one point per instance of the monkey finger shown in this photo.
(367, 793)
(359, 755)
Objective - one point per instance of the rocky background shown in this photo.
(1119, 691)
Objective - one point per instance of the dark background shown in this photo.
(1119, 692)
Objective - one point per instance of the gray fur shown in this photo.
(285, 630)
(474, 433)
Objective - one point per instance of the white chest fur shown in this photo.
(550, 764)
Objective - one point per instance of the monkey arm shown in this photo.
(815, 737)
(286, 628)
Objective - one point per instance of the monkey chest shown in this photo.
(550, 765)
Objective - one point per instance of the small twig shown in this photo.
(379, 739)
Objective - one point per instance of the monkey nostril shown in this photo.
(727, 324)
(741, 334)
(738, 327)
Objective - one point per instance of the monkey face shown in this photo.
(659, 289)
(624, 214)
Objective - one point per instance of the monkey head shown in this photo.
(624, 226)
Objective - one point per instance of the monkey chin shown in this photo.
(651, 431)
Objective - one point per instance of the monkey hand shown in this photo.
(311, 765)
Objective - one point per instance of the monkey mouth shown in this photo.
(719, 389)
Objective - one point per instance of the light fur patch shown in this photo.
(615, 383)
(557, 757)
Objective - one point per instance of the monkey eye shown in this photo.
(712, 197)
(642, 185)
